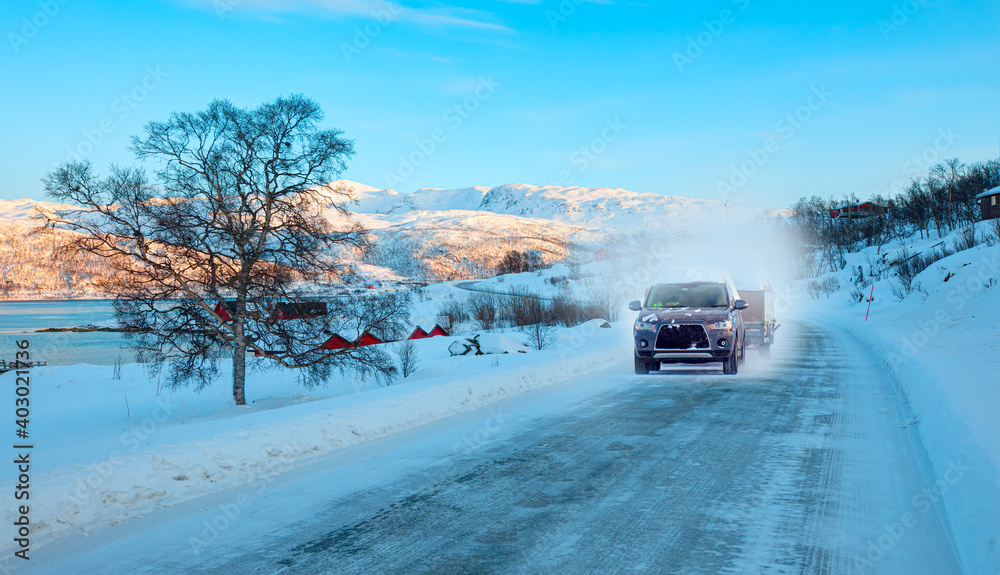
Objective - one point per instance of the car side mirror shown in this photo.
(635, 305)
(741, 304)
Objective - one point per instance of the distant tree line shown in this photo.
(515, 262)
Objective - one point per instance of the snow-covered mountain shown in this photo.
(432, 233)
(25, 211)
(601, 209)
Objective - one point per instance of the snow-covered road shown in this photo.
(802, 465)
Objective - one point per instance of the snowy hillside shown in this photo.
(460, 233)
(429, 235)
(941, 340)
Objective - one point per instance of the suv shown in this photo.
(697, 322)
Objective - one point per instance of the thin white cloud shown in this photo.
(442, 16)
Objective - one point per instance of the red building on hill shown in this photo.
(989, 204)
(857, 211)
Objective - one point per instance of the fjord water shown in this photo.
(20, 320)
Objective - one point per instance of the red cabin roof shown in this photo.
(418, 333)
(337, 342)
(438, 330)
(222, 312)
(367, 339)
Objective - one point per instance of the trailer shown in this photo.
(758, 319)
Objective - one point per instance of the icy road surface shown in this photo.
(805, 464)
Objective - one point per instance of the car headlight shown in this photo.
(725, 324)
(643, 326)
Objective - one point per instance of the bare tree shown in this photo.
(237, 210)
(484, 308)
(540, 335)
(409, 361)
(607, 298)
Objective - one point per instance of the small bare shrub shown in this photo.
(608, 300)
(409, 361)
(116, 372)
(540, 335)
(484, 308)
(823, 287)
(967, 239)
(454, 313)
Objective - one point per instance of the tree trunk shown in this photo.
(239, 374)
(239, 352)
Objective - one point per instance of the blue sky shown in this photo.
(750, 101)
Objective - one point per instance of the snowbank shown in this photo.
(942, 343)
(159, 462)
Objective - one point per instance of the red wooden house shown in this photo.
(419, 333)
(438, 330)
(857, 211)
(222, 310)
(299, 310)
(989, 204)
(337, 342)
(367, 339)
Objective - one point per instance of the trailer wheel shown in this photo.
(641, 366)
(765, 351)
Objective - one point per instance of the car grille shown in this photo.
(682, 336)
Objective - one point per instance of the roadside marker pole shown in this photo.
(870, 302)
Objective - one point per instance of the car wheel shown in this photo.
(731, 365)
(743, 353)
(641, 366)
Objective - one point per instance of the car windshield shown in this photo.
(687, 295)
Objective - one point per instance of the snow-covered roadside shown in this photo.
(943, 347)
(110, 481)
